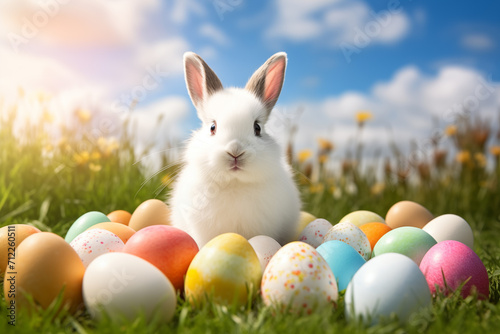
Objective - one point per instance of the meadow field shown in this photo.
(49, 182)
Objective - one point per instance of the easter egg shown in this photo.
(45, 264)
(265, 247)
(315, 231)
(407, 213)
(94, 242)
(410, 241)
(124, 232)
(150, 212)
(450, 227)
(124, 285)
(361, 217)
(120, 216)
(342, 259)
(11, 236)
(374, 231)
(84, 222)
(298, 279)
(226, 270)
(305, 219)
(351, 235)
(168, 248)
(449, 264)
(389, 284)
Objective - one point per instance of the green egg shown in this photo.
(84, 222)
(410, 241)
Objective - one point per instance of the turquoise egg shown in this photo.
(410, 241)
(84, 222)
(343, 259)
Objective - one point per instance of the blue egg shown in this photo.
(84, 222)
(343, 259)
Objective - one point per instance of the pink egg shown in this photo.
(450, 263)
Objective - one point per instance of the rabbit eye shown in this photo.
(213, 128)
(256, 128)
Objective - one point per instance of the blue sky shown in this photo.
(413, 64)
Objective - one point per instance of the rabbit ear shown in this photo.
(267, 81)
(201, 81)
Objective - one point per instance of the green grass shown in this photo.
(50, 189)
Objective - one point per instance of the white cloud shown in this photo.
(336, 21)
(183, 9)
(75, 23)
(478, 42)
(408, 105)
(215, 34)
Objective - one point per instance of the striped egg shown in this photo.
(298, 278)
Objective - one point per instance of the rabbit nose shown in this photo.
(234, 150)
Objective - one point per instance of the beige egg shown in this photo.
(407, 213)
(150, 212)
(45, 264)
(124, 232)
(11, 236)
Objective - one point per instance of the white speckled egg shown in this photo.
(92, 243)
(298, 278)
(315, 231)
(265, 247)
(351, 235)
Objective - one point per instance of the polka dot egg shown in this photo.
(92, 243)
(315, 231)
(298, 278)
(351, 235)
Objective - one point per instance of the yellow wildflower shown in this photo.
(495, 151)
(316, 188)
(450, 130)
(81, 158)
(322, 158)
(325, 145)
(95, 155)
(107, 146)
(480, 159)
(303, 155)
(83, 115)
(377, 188)
(362, 116)
(47, 116)
(20, 91)
(463, 157)
(95, 167)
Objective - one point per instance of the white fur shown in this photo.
(209, 198)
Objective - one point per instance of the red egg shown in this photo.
(449, 264)
(168, 248)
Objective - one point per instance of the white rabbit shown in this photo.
(235, 177)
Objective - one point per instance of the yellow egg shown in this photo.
(305, 219)
(407, 213)
(226, 270)
(150, 212)
(45, 264)
(362, 217)
(11, 236)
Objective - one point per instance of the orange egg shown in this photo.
(120, 216)
(122, 231)
(11, 236)
(374, 231)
